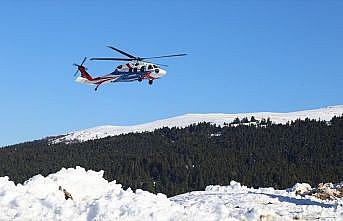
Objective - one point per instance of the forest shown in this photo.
(178, 160)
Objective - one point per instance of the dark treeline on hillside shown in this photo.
(173, 161)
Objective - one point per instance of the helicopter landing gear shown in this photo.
(151, 81)
(140, 79)
(96, 88)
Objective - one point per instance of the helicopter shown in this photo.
(137, 69)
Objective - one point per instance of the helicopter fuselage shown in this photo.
(137, 69)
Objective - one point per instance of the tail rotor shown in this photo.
(78, 66)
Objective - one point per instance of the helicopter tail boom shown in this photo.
(84, 73)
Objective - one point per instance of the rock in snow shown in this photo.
(94, 198)
(185, 120)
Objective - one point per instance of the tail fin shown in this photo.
(84, 73)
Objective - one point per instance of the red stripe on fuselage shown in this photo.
(148, 75)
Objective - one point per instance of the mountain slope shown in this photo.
(185, 120)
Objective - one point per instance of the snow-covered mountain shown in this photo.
(185, 120)
(94, 198)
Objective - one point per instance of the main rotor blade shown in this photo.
(112, 59)
(165, 56)
(121, 52)
(163, 65)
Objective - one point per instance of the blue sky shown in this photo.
(244, 56)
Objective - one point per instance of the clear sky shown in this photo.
(244, 56)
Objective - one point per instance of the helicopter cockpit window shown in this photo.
(155, 66)
(120, 66)
(157, 70)
(143, 68)
(150, 67)
(135, 70)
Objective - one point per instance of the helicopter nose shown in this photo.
(163, 72)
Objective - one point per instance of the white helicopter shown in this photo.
(137, 69)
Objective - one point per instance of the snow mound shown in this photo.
(94, 198)
(301, 188)
(234, 186)
(236, 202)
(185, 120)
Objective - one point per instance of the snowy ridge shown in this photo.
(185, 120)
(94, 198)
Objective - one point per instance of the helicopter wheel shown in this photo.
(150, 82)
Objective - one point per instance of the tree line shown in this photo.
(177, 160)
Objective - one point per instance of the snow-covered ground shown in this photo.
(185, 120)
(94, 198)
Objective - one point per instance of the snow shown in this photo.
(95, 198)
(302, 188)
(185, 120)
